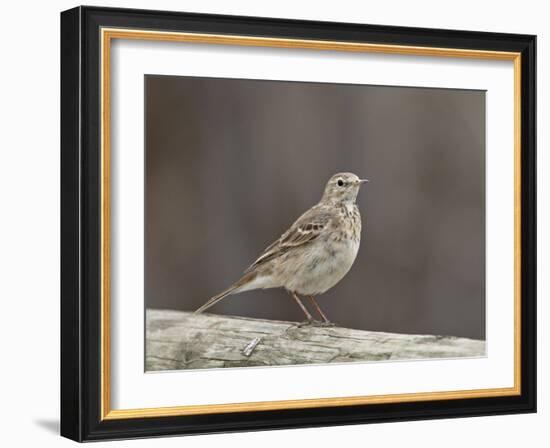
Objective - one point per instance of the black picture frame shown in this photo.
(81, 226)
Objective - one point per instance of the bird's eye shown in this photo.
(340, 182)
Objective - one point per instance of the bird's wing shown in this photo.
(304, 230)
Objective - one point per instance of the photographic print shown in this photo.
(344, 212)
(293, 223)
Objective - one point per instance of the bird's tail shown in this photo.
(235, 287)
(216, 299)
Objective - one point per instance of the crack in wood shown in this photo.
(181, 340)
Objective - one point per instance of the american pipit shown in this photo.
(314, 254)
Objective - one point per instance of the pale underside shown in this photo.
(313, 255)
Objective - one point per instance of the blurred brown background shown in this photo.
(230, 164)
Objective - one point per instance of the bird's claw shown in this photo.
(310, 323)
(327, 324)
(315, 323)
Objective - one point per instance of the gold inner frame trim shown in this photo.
(107, 35)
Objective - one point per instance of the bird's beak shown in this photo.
(362, 181)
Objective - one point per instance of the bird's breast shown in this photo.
(318, 266)
(322, 266)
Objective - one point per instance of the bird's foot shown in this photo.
(310, 323)
(327, 323)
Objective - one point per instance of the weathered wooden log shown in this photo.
(180, 340)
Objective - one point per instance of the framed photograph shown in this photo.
(273, 223)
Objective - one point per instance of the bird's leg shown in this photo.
(309, 317)
(326, 322)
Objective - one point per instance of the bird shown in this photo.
(313, 255)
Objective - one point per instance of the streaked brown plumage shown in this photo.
(314, 254)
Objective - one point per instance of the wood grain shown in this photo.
(178, 340)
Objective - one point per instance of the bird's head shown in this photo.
(343, 187)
